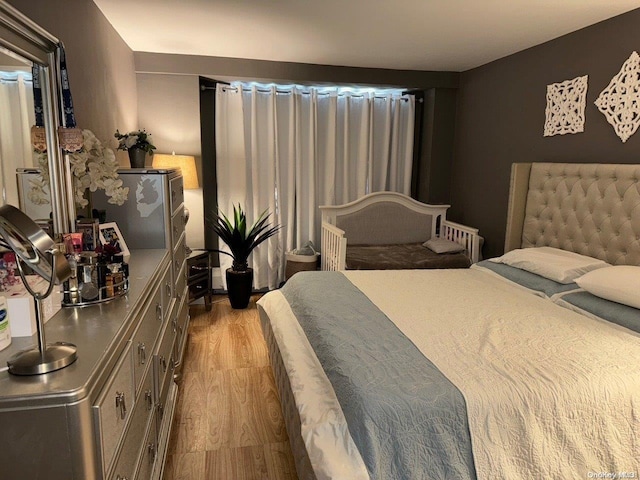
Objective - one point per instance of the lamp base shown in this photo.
(33, 362)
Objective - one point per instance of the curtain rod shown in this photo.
(287, 92)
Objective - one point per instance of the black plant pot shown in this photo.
(137, 157)
(239, 286)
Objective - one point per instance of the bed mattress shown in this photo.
(559, 405)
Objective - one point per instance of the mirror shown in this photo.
(22, 44)
(16, 118)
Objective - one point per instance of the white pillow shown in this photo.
(552, 263)
(619, 284)
(443, 245)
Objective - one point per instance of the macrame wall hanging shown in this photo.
(565, 107)
(620, 101)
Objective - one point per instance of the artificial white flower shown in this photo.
(93, 167)
(130, 141)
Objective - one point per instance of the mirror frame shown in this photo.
(27, 39)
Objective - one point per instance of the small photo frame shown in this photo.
(110, 233)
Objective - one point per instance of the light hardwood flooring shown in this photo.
(228, 423)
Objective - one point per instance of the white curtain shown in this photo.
(16, 118)
(292, 149)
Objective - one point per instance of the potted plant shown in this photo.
(137, 144)
(241, 241)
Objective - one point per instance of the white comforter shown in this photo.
(550, 393)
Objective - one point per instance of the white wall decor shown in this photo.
(619, 102)
(565, 107)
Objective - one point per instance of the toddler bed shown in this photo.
(501, 371)
(389, 230)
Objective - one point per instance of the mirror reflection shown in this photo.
(17, 157)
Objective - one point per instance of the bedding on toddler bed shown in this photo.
(404, 256)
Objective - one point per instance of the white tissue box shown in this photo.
(21, 306)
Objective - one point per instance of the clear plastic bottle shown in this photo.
(5, 331)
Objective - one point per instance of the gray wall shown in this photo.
(501, 113)
(101, 65)
(169, 109)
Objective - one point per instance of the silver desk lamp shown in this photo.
(37, 250)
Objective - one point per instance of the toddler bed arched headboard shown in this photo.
(590, 209)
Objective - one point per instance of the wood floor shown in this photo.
(228, 423)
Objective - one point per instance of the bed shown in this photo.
(490, 372)
(391, 231)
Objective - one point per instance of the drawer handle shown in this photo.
(121, 404)
(160, 411)
(163, 363)
(174, 325)
(118, 477)
(168, 289)
(172, 364)
(152, 452)
(159, 311)
(142, 353)
(149, 398)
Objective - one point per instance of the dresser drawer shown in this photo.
(138, 425)
(199, 266)
(177, 227)
(176, 193)
(183, 323)
(181, 284)
(164, 361)
(145, 336)
(198, 289)
(113, 408)
(149, 454)
(166, 292)
(179, 258)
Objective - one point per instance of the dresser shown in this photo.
(108, 415)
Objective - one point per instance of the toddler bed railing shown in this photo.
(387, 218)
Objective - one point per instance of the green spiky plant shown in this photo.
(242, 241)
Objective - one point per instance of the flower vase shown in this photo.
(137, 157)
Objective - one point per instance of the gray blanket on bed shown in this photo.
(406, 418)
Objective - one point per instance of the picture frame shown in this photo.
(110, 231)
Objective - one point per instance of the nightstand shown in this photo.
(199, 276)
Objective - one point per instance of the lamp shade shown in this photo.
(186, 163)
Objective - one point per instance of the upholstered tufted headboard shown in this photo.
(591, 209)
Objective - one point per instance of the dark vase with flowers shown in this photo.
(137, 144)
(137, 157)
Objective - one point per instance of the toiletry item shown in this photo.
(88, 289)
(73, 279)
(101, 270)
(73, 242)
(5, 331)
(90, 233)
(109, 285)
(76, 240)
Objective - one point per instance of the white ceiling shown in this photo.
(441, 35)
